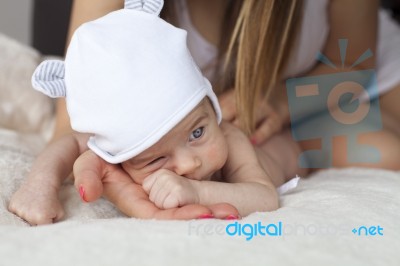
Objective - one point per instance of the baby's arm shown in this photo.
(247, 185)
(36, 201)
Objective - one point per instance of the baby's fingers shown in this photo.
(88, 173)
(148, 183)
(159, 193)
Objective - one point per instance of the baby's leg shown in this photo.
(279, 157)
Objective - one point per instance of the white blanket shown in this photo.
(314, 224)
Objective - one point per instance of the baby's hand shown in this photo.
(36, 203)
(169, 190)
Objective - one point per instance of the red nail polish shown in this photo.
(231, 217)
(82, 193)
(205, 216)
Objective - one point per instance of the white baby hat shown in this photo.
(128, 79)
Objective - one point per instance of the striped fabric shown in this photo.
(133, 4)
(149, 6)
(48, 78)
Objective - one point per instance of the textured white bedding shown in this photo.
(316, 218)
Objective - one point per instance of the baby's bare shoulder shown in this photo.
(242, 163)
(231, 132)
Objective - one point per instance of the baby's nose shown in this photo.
(186, 164)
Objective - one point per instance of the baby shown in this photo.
(132, 86)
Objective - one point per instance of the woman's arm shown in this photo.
(355, 21)
(87, 10)
(82, 11)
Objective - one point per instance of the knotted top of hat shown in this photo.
(128, 79)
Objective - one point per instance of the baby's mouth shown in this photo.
(201, 175)
(208, 177)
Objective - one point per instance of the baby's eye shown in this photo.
(197, 133)
(155, 160)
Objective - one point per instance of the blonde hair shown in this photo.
(262, 33)
(259, 49)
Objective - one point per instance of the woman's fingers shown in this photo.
(196, 211)
(265, 130)
(268, 124)
(88, 173)
(187, 212)
(224, 211)
(133, 201)
(227, 103)
(267, 120)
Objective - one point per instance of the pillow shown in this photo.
(21, 107)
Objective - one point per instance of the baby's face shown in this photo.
(195, 148)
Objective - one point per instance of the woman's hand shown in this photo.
(268, 121)
(94, 177)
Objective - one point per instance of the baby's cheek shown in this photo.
(217, 155)
(136, 176)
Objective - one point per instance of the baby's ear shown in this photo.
(48, 78)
